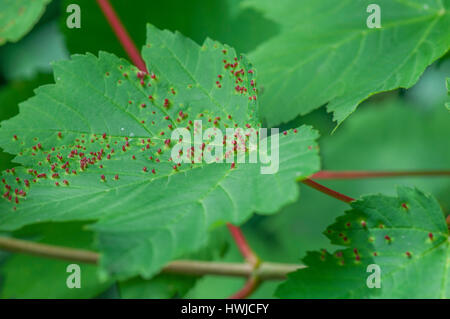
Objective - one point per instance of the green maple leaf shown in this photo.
(406, 236)
(17, 17)
(325, 52)
(163, 286)
(96, 134)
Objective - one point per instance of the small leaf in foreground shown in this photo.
(406, 236)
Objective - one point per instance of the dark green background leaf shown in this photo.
(17, 17)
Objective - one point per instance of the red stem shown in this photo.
(368, 174)
(122, 34)
(249, 287)
(327, 191)
(243, 245)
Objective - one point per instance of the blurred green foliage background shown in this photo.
(398, 130)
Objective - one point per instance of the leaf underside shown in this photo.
(94, 146)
